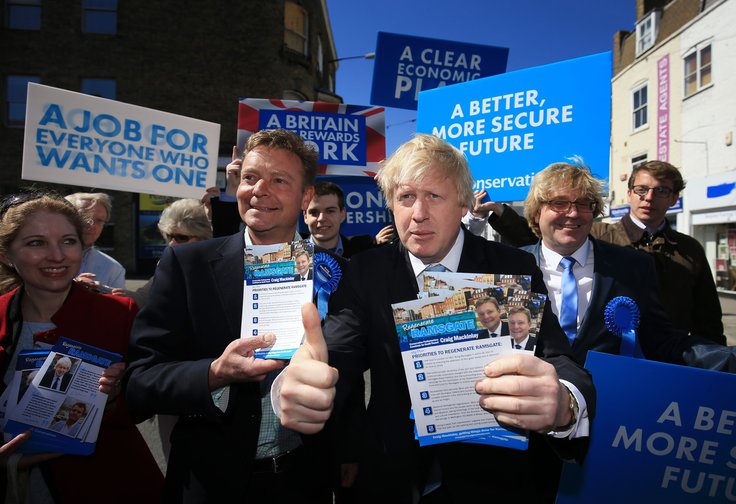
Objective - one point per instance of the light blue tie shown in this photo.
(569, 308)
(435, 267)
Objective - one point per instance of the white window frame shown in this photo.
(641, 109)
(699, 73)
(647, 30)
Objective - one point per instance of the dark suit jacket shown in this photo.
(355, 244)
(361, 335)
(485, 333)
(530, 343)
(620, 271)
(48, 379)
(194, 311)
(299, 277)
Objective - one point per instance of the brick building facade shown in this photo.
(187, 57)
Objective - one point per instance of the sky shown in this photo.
(537, 32)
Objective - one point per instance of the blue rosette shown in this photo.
(327, 274)
(622, 317)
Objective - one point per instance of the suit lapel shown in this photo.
(602, 285)
(228, 270)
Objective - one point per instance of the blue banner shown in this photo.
(662, 433)
(513, 125)
(339, 138)
(406, 65)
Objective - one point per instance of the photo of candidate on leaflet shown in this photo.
(59, 375)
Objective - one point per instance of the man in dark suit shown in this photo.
(58, 377)
(561, 205)
(489, 315)
(324, 216)
(520, 322)
(302, 267)
(562, 202)
(188, 358)
(428, 186)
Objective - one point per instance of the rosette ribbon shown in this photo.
(327, 274)
(622, 319)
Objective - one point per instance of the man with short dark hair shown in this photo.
(520, 322)
(324, 216)
(489, 315)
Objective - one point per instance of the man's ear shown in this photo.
(307, 197)
(343, 215)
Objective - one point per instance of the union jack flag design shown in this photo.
(375, 130)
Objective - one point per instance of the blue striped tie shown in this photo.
(569, 308)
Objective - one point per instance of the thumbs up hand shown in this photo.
(308, 384)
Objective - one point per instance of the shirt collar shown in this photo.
(580, 255)
(337, 249)
(641, 225)
(451, 261)
(249, 242)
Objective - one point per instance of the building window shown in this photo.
(639, 97)
(100, 16)
(637, 161)
(16, 90)
(646, 32)
(104, 88)
(320, 56)
(23, 14)
(698, 71)
(295, 24)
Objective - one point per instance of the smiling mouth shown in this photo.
(263, 208)
(59, 269)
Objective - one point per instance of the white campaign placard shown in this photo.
(78, 139)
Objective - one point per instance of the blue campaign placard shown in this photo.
(513, 125)
(406, 65)
(340, 139)
(662, 433)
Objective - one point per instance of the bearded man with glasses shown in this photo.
(684, 277)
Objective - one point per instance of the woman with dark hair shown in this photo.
(40, 254)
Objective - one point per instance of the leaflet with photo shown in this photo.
(63, 404)
(26, 369)
(445, 346)
(278, 281)
(433, 280)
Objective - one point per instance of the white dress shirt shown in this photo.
(583, 270)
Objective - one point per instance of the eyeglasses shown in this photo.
(563, 207)
(178, 238)
(659, 192)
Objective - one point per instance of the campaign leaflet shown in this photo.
(445, 348)
(26, 368)
(62, 403)
(278, 281)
